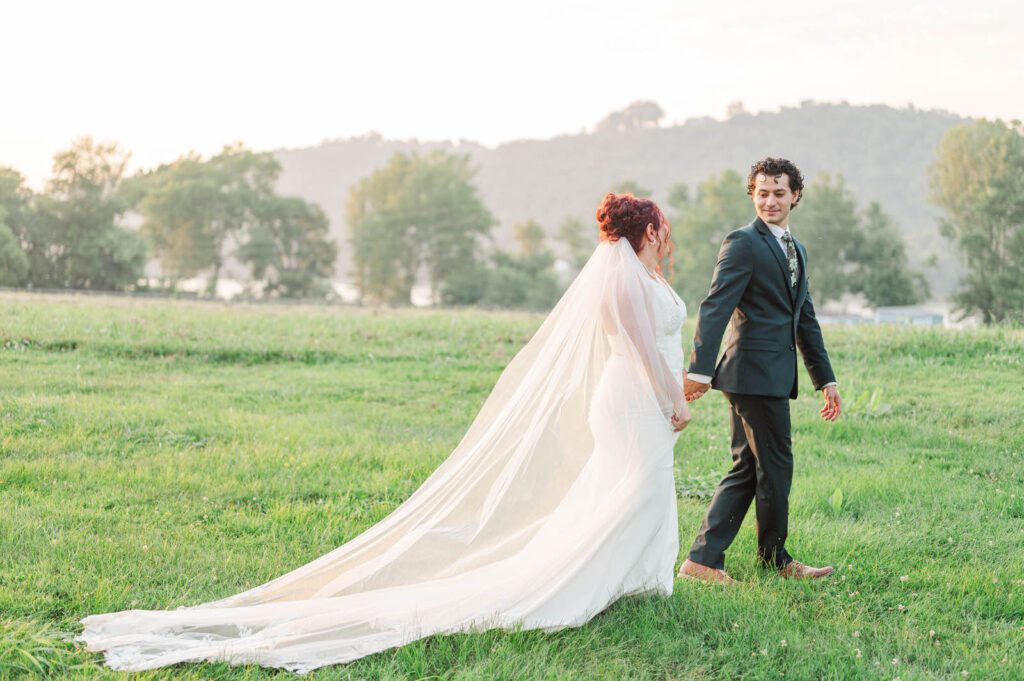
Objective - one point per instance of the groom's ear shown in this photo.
(796, 198)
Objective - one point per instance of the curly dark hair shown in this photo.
(777, 166)
(624, 216)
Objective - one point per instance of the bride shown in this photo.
(558, 500)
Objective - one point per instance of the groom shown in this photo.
(760, 282)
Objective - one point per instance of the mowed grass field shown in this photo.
(156, 454)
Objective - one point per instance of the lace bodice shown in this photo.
(669, 315)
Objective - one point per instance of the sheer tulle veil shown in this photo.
(451, 557)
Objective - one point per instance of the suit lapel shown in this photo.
(773, 245)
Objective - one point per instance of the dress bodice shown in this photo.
(669, 315)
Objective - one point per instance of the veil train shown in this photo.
(541, 516)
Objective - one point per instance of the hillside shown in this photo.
(882, 152)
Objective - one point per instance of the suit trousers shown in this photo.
(762, 471)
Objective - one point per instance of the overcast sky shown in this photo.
(162, 78)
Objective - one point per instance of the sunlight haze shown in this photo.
(163, 78)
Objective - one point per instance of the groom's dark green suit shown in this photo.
(758, 374)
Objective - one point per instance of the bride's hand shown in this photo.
(681, 419)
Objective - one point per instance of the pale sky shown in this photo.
(162, 78)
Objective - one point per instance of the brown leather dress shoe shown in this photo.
(691, 570)
(797, 570)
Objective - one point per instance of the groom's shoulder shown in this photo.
(741, 234)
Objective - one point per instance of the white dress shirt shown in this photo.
(777, 232)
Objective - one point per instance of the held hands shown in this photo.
(681, 418)
(833, 405)
(681, 415)
(694, 389)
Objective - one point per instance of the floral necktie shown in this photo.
(787, 239)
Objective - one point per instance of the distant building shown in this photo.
(909, 314)
(844, 319)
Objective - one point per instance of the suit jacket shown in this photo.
(770, 319)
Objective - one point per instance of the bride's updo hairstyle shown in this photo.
(624, 216)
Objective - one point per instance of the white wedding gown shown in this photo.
(559, 500)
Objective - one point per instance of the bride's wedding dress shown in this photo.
(558, 500)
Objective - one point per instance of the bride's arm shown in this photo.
(634, 318)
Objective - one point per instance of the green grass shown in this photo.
(155, 454)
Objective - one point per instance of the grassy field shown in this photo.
(155, 454)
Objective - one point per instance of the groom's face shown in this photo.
(773, 198)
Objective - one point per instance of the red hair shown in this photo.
(626, 216)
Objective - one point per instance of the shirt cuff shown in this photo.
(828, 384)
(699, 378)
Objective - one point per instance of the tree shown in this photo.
(521, 281)
(289, 247)
(853, 252)
(698, 227)
(193, 208)
(884, 276)
(736, 109)
(467, 286)
(978, 179)
(530, 237)
(13, 261)
(14, 200)
(416, 212)
(577, 240)
(630, 187)
(72, 236)
(524, 279)
(456, 219)
(385, 250)
(826, 222)
(637, 115)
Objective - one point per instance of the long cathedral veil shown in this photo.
(430, 566)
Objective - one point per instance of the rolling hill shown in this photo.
(882, 152)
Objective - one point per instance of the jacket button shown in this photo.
(792, 347)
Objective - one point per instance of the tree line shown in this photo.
(422, 213)
(435, 221)
(194, 213)
(420, 218)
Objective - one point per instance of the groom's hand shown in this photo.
(692, 390)
(833, 404)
